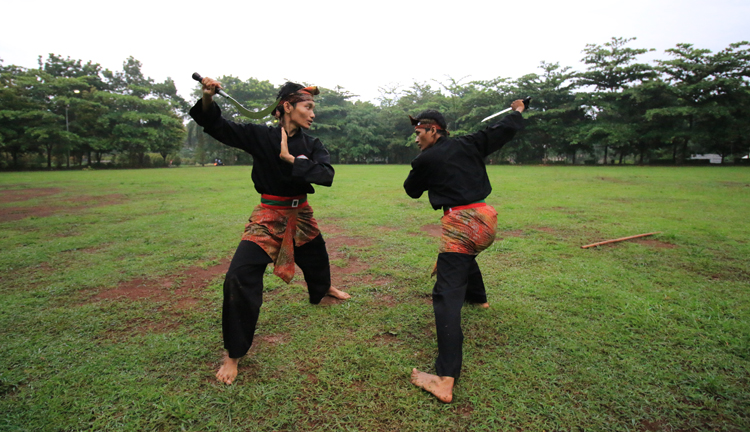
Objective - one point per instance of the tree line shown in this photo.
(617, 110)
(66, 110)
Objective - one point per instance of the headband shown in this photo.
(305, 94)
(427, 124)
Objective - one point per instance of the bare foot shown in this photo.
(336, 293)
(440, 387)
(484, 305)
(228, 371)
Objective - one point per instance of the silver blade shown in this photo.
(497, 114)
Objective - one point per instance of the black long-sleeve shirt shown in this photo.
(270, 174)
(453, 170)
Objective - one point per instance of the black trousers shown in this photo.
(458, 280)
(243, 288)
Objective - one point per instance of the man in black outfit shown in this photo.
(453, 172)
(282, 229)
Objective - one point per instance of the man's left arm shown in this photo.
(417, 180)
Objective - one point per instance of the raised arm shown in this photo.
(502, 132)
(207, 114)
(209, 87)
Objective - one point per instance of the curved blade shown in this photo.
(255, 115)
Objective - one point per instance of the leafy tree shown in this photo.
(611, 70)
(73, 83)
(366, 135)
(555, 115)
(332, 108)
(16, 106)
(33, 114)
(711, 93)
(139, 119)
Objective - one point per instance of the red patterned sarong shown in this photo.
(277, 229)
(467, 230)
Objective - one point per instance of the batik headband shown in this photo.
(305, 94)
(427, 124)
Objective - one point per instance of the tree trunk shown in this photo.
(684, 151)
(606, 148)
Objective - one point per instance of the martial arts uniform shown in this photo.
(454, 174)
(281, 229)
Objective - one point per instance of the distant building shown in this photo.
(713, 158)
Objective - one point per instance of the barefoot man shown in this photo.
(452, 170)
(281, 229)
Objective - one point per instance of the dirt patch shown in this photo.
(135, 289)
(17, 195)
(312, 378)
(17, 213)
(565, 210)
(184, 295)
(386, 229)
(386, 300)
(56, 206)
(654, 426)
(342, 241)
(329, 228)
(336, 246)
(655, 243)
(353, 265)
(140, 327)
(433, 230)
(611, 179)
(353, 271)
(385, 339)
(735, 184)
(90, 249)
(274, 339)
(465, 409)
(425, 297)
(546, 229)
(510, 233)
(186, 303)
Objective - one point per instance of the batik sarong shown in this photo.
(468, 230)
(277, 225)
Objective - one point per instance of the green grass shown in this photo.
(634, 336)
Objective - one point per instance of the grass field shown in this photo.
(111, 294)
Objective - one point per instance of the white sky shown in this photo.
(360, 46)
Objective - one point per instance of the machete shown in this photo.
(525, 105)
(255, 115)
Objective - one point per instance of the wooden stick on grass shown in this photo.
(619, 239)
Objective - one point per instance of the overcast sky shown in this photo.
(360, 46)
